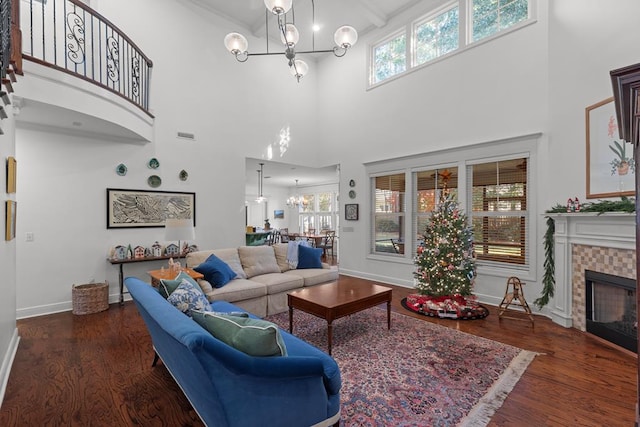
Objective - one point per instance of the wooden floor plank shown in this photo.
(96, 370)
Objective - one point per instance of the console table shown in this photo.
(121, 262)
(167, 274)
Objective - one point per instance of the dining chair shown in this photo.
(284, 235)
(327, 243)
(273, 238)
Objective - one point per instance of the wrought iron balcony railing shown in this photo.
(5, 36)
(69, 36)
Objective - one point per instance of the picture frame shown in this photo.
(12, 167)
(10, 220)
(351, 211)
(148, 208)
(278, 214)
(608, 173)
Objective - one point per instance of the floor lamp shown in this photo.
(179, 229)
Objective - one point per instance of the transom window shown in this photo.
(440, 33)
(492, 16)
(389, 58)
(437, 36)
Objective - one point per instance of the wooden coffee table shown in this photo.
(335, 300)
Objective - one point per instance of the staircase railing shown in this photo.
(71, 37)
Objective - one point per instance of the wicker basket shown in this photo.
(90, 298)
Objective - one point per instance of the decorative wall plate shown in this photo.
(153, 163)
(352, 194)
(183, 175)
(154, 181)
(121, 169)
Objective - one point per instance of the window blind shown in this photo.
(499, 213)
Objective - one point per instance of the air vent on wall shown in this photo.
(186, 135)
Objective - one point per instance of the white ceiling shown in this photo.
(285, 175)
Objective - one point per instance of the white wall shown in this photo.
(493, 91)
(537, 79)
(8, 283)
(235, 110)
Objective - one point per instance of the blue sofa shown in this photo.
(227, 387)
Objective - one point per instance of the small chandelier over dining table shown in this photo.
(295, 201)
(344, 37)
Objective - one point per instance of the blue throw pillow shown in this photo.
(309, 257)
(216, 271)
(187, 297)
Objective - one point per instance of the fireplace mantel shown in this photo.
(606, 230)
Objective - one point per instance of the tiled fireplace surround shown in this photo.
(587, 241)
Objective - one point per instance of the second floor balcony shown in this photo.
(77, 62)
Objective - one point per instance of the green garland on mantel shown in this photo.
(625, 204)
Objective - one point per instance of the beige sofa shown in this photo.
(264, 277)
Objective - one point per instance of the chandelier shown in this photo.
(295, 201)
(344, 37)
(260, 198)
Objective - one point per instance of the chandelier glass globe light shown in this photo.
(283, 10)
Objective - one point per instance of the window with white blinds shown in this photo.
(430, 185)
(499, 215)
(389, 210)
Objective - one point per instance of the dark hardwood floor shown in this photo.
(95, 370)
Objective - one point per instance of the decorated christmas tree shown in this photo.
(445, 266)
(444, 260)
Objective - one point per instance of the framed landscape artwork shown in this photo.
(278, 214)
(146, 208)
(610, 167)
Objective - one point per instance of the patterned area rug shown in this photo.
(417, 373)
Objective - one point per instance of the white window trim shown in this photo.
(516, 147)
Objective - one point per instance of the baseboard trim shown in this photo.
(43, 310)
(7, 363)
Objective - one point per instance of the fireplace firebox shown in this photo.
(611, 309)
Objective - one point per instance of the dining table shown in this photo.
(314, 239)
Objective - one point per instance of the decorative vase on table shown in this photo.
(267, 224)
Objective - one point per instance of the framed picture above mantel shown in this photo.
(610, 167)
(146, 208)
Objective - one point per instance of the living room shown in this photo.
(528, 89)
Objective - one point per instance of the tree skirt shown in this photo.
(417, 374)
(448, 307)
